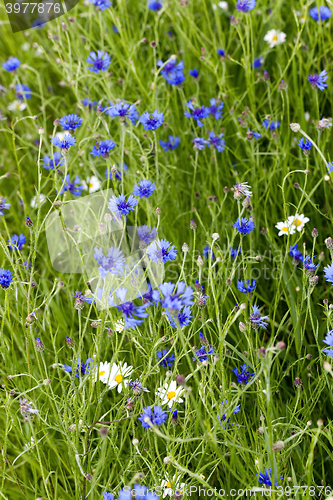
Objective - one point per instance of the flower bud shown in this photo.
(329, 243)
(279, 445)
(200, 261)
(39, 345)
(295, 127)
(193, 225)
(327, 367)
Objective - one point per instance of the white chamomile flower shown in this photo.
(171, 486)
(30, 445)
(115, 375)
(119, 325)
(34, 200)
(274, 37)
(285, 228)
(17, 105)
(93, 184)
(223, 5)
(170, 393)
(61, 135)
(298, 221)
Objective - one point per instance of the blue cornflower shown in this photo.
(117, 174)
(79, 298)
(172, 143)
(236, 252)
(103, 148)
(137, 387)
(11, 64)
(245, 287)
(243, 375)
(295, 254)
(194, 72)
(82, 368)
(5, 278)
(51, 163)
(112, 262)
(266, 478)
(244, 225)
(155, 414)
(328, 340)
(130, 310)
(174, 299)
(184, 317)
(99, 62)
(320, 14)
(141, 493)
(152, 123)
(161, 251)
(271, 125)
(198, 114)
(88, 103)
(305, 144)
(309, 265)
(75, 187)
(216, 109)
(172, 71)
(245, 5)
(200, 143)
(165, 360)
(251, 134)
(3, 205)
(123, 110)
(16, 242)
(144, 189)
(101, 5)
(107, 496)
(318, 80)
(207, 251)
(23, 91)
(146, 234)
(222, 416)
(221, 52)
(202, 354)
(328, 272)
(330, 167)
(65, 143)
(70, 122)
(216, 141)
(155, 5)
(257, 63)
(25, 408)
(120, 206)
(256, 320)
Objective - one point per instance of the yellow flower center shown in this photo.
(101, 373)
(274, 38)
(168, 485)
(297, 222)
(18, 105)
(171, 394)
(285, 229)
(91, 185)
(118, 378)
